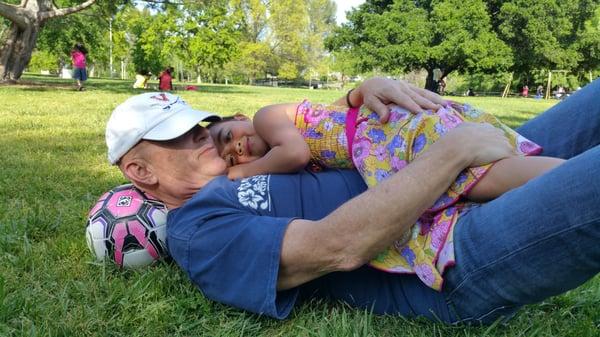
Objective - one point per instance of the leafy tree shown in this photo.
(288, 71)
(251, 61)
(403, 35)
(255, 55)
(288, 21)
(321, 21)
(90, 27)
(253, 18)
(343, 62)
(209, 36)
(550, 34)
(150, 34)
(26, 21)
(588, 44)
(43, 60)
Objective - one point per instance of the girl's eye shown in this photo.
(228, 136)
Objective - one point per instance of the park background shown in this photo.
(54, 163)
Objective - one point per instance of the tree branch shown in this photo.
(14, 14)
(164, 2)
(65, 11)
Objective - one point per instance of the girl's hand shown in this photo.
(236, 172)
(378, 92)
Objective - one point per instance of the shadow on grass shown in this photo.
(41, 83)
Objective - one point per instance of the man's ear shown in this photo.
(139, 172)
(240, 117)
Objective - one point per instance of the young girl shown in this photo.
(284, 138)
(78, 55)
(165, 80)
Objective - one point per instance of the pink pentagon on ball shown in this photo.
(98, 205)
(125, 203)
(118, 235)
(139, 232)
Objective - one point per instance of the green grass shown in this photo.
(54, 167)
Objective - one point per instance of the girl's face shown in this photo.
(237, 142)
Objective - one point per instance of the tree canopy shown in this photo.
(238, 39)
(244, 40)
(471, 36)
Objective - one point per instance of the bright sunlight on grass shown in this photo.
(54, 167)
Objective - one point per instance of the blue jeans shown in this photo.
(540, 239)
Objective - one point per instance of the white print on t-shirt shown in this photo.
(254, 192)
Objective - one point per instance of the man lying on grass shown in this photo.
(267, 242)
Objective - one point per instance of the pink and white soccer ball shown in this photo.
(128, 227)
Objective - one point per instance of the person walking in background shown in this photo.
(539, 92)
(78, 56)
(441, 87)
(165, 80)
(525, 91)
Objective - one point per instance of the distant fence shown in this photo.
(298, 84)
(483, 93)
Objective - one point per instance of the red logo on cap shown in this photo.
(161, 97)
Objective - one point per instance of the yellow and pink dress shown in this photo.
(348, 138)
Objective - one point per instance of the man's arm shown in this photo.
(364, 226)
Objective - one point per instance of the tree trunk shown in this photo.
(16, 51)
(430, 84)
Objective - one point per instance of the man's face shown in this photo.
(187, 162)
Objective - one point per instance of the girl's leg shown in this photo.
(570, 127)
(536, 241)
(510, 173)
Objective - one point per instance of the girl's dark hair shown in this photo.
(79, 46)
(225, 119)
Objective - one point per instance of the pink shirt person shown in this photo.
(78, 59)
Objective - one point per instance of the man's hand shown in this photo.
(376, 93)
(480, 142)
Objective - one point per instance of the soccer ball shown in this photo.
(128, 227)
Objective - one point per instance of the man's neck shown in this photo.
(176, 197)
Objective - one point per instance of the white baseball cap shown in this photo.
(152, 116)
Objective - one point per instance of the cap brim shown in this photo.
(178, 124)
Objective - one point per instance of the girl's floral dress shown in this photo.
(378, 150)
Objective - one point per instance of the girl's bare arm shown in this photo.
(509, 173)
(289, 152)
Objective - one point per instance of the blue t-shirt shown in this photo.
(228, 240)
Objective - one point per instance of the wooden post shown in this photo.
(507, 87)
(548, 87)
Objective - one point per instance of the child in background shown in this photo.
(141, 79)
(165, 80)
(78, 56)
(284, 138)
